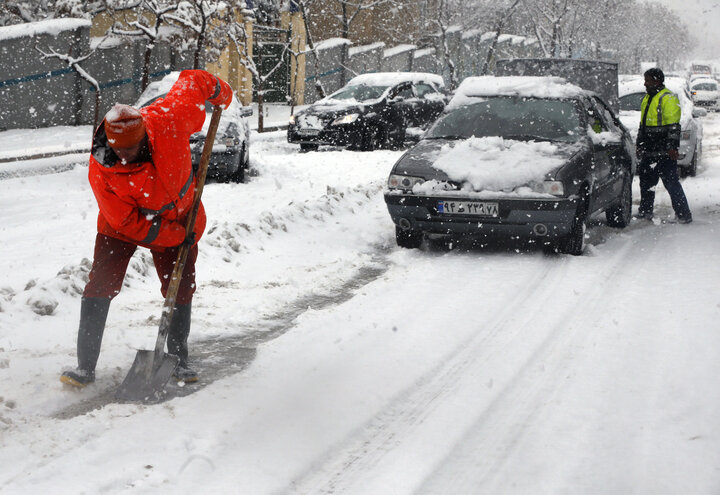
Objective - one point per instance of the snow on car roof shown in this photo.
(530, 86)
(704, 80)
(629, 85)
(393, 78)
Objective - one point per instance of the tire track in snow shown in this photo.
(359, 461)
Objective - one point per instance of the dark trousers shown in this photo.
(651, 170)
(110, 263)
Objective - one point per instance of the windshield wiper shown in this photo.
(447, 137)
(528, 137)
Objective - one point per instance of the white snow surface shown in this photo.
(333, 361)
(51, 27)
(393, 78)
(523, 86)
(495, 164)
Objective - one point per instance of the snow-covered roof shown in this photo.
(365, 48)
(530, 86)
(398, 49)
(331, 43)
(51, 26)
(393, 78)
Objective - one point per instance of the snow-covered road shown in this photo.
(334, 362)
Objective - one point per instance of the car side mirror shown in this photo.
(246, 111)
(699, 112)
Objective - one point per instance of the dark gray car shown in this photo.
(515, 157)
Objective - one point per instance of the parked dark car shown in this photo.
(230, 159)
(370, 112)
(516, 157)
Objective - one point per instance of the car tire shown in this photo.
(238, 177)
(408, 239)
(372, 139)
(692, 169)
(305, 147)
(619, 215)
(574, 242)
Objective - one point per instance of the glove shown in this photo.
(673, 154)
(189, 240)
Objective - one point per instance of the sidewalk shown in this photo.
(32, 144)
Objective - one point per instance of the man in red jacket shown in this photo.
(142, 176)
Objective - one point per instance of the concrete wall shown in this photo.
(36, 92)
(325, 67)
(398, 59)
(364, 59)
(43, 93)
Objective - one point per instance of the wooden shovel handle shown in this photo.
(176, 277)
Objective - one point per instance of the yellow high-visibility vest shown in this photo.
(664, 109)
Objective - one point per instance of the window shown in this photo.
(423, 89)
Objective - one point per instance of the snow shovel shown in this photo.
(151, 370)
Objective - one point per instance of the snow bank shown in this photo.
(396, 50)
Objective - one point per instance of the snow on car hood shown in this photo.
(495, 165)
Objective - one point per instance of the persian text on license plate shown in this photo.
(468, 208)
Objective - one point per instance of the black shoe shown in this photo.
(77, 377)
(183, 373)
(644, 215)
(684, 220)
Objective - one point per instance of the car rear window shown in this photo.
(511, 117)
(705, 87)
(631, 101)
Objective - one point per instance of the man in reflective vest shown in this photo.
(142, 177)
(657, 147)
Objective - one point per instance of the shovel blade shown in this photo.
(146, 379)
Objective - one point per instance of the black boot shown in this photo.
(177, 342)
(93, 314)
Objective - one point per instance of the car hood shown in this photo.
(488, 164)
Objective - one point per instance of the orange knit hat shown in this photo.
(124, 126)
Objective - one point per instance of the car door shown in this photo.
(431, 104)
(400, 106)
(610, 153)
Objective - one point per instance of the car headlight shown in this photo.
(292, 120)
(403, 182)
(346, 119)
(554, 187)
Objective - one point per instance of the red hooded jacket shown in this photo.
(147, 203)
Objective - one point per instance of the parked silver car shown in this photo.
(632, 91)
(230, 159)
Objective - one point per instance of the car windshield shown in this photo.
(705, 87)
(631, 101)
(359, 92)
(511, 117)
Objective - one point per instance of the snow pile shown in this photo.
(605, 137)
(496, 164)
(523, 86)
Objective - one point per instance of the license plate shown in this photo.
(482, 209)
(308, 132)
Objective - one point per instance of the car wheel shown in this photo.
(692, 169)
(399, 139)
(574, 242)
(619, 215)
(372, 139)
(238, 176)
(305, 147)
(409, 239)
